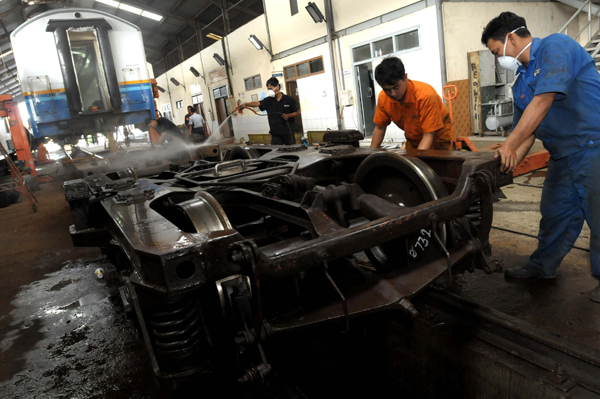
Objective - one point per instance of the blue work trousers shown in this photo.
(571, 195)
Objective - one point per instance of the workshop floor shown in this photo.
(63, 333)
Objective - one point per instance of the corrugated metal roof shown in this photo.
(160, 37)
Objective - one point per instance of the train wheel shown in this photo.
(406, 182)
(239, 152)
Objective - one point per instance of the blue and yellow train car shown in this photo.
(82, 71)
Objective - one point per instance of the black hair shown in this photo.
(390, 71)
(192, 108)
(502, 25)
(147, 121)
(273, 82)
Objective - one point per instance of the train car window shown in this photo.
(88, 70)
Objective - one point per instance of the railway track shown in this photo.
(454, 348)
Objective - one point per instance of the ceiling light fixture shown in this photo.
(160, 89)
(151, 15)
(195, 72)
(258, 44)
(219, 59)
(174, 81)
(315, 13)
(131, 9)
(109, 3)
(214, 36)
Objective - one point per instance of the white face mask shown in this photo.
(272, 93)
(508, 62)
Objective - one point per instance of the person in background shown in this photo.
(190, 110)
(413, 106)
(281, 111)
(167, 130)
(556, 98)
(196, 125)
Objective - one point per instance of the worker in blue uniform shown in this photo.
(556, 99)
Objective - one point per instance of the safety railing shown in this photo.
(587, 26)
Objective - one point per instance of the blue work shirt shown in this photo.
(558, 64)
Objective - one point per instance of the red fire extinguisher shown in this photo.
(239, 104)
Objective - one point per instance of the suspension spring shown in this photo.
(474, 213)
(177, 330)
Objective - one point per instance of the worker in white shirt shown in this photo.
(196, 125)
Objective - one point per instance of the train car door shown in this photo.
(89, 71)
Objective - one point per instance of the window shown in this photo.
(179, 104)
(397, 43)
(197, 99)
(88, 66)
(294, 6)
(362, 53)
(253, 82)
(220, 92)
(167, 113)
(383, 47)
(290, 72)
(304, 69)
(407, 40)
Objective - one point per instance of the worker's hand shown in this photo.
(285, 116)
(508, 159)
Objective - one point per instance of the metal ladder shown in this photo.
(592, 11)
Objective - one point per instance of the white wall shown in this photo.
(347, 13)
(289, 31)
(464, 23)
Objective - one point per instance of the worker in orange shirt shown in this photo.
(414, 107)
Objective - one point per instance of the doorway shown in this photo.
(292, 90)
(226, 129)
(366, 96)
(89, 72)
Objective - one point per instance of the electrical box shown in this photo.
(347, 99)
(231, 105)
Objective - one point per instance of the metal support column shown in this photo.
(330, 32)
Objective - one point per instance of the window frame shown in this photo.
(179, 104)
(251, 78)
(308, 61)
(396, 52)
(167, 111)
(197, 99)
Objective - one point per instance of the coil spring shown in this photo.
(177, 330)
(474, 213)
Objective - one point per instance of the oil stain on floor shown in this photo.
(69, 338)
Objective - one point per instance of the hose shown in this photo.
(251, 109)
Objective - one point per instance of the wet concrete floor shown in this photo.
(63, 333)
(560, 305)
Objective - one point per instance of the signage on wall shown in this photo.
(277, 75)
(217, 75)
(347, 72)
